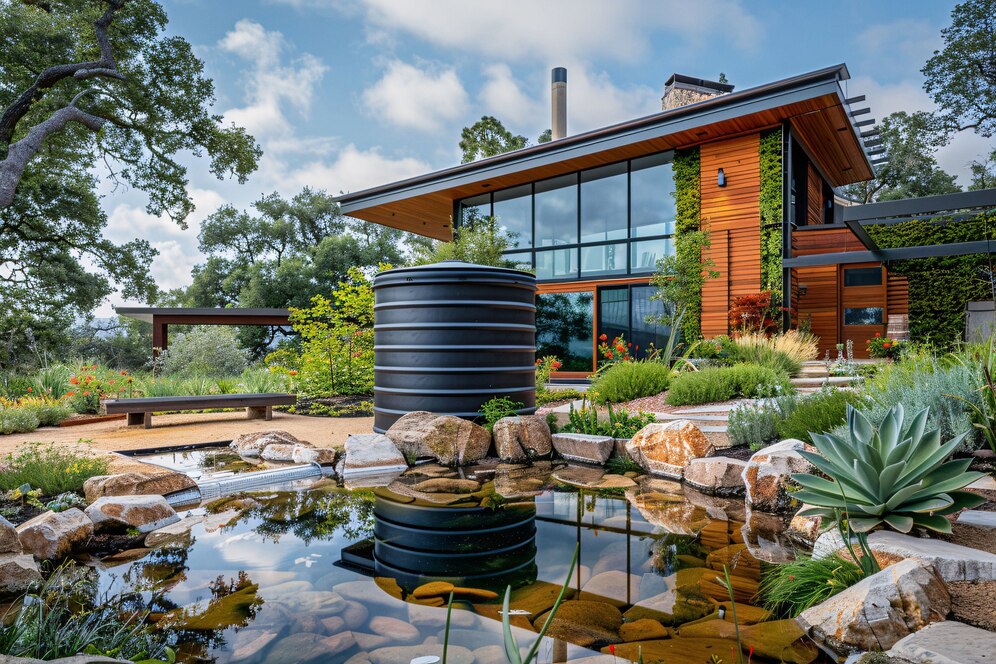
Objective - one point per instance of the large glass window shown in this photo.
(557, 263)
(475, 209)
(607, 221)
(564, 328)
(603, 204)
(631, 312)
(557, 212)
(603, 259)
(513, 208)
(863, 276)
(652, 204)
(863, 316)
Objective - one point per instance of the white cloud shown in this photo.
(409, 96)
(503, 96)
(562, 29)
(899, 48)
(272, 87)
(352, 170)
(594, 101)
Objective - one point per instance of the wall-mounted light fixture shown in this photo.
(803, 289)
(720, 178)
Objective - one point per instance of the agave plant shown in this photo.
(898, 475)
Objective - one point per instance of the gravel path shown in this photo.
(189, 428)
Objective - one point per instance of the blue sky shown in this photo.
(346, 94)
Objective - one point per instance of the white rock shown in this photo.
(947, 642)
(583, 447)
(952, 561)
(321, 455)
(144, 513)
(767, 475)
(281, 452)
(53, 535)
(372, 454)
(881, 609)
(17, 573)
(252, 444)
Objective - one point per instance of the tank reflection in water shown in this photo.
(323, 574)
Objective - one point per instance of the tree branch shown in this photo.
(106, 67)
(20, 153)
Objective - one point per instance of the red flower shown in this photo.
(626, 358)
(621, 348)
(878, 334)
(886, 345)
(608, 354)
(612, 649)
(604, 337)
(124, 373)
(557, 365)
(110, 382)
(30, 390)
(637, 348)
(357, 354)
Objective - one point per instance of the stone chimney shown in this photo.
(681, 90)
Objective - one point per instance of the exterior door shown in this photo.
(862, 304)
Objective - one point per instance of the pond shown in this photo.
(325, 573)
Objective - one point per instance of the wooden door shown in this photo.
(863, 304)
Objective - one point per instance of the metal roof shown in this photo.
(146, 313)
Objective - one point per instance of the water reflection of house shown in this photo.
(593, 212)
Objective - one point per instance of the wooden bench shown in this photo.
(139, 411)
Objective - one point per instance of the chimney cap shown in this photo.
(681, 79)
(558, 75)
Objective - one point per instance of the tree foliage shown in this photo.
(481, 241)
(488, 137)
(283, 253)
(89, 86)
(961, 77)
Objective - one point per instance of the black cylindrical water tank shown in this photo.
(476, 546)
(450, 336)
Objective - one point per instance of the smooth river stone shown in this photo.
(398, 630)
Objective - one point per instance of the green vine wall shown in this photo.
(688, 241)
(771, 214)
(939, 287)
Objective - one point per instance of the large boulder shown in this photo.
(17, 573)
(665, 448)
(8, 537)
(583, 447)
(768, 476)
(947, 642)
(143, 513)
(952, 561)
(453, 441)
(522, 438)
(53, 535)
(323, 456)
(881, 609)
(372, 454)
(252, 444)
(135, 484)
(716, 476)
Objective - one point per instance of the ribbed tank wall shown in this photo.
(450, 336)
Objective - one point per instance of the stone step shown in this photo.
(831, 380)
(947, 642)
(978, 519)
(694, 417)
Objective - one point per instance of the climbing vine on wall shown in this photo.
(939, 287)
(688, 241)
(771, 214)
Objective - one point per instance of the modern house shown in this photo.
(592, 213)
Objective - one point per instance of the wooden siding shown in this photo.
(732, 215)
(820, 123)
(814, 196)
(898, 289)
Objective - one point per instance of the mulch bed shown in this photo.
(16, 513)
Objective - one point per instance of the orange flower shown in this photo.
(358, 333)
(878, 334)
(124, 373)
(604, 337)
(74, 380)
(621, 348)
(357, 354)
(608, 354)
(557, 365)
(30, 390)
(69, 394)
(886, 345)
(87, 393)
(292, 372)
(110, 382)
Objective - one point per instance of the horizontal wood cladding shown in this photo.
(898, 295)
(732, 215)
(818, 122)
(824, 240)
(819, 303)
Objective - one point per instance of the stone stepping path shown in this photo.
(947, 642)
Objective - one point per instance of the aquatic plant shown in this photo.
(894, 475)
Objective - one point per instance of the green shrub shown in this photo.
(52, 468)
(769, 357)
(724, 383)
(48, 411)
(619, 423)
(162, 386)
(789, 589)
(208, 350)
(549, 396)
(755, 426)
(497, 408)
(263, 381)
(17, 420)
(626, 381)
(52, 381)
(819, 412)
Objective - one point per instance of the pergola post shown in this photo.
(160, 336)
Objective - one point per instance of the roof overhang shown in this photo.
(813, 103)
(206, 315)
